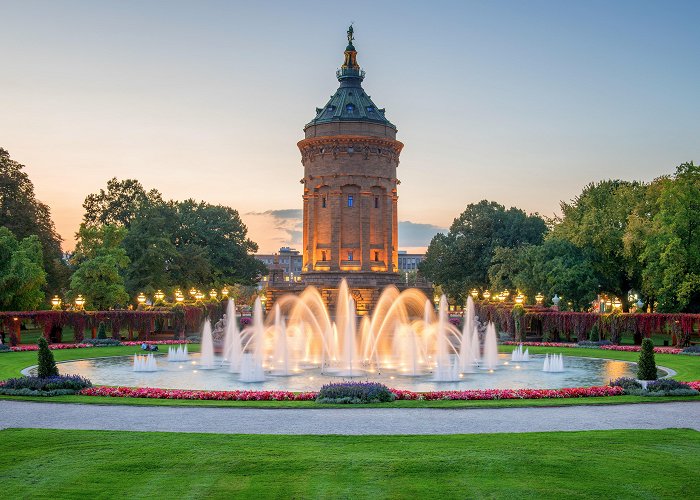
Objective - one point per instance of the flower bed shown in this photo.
(485, 394)
(155, 393)
(55, 347)
(34, 347)
(627, 348)
(155, 342)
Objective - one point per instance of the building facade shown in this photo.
(350, 155)
(284, 265)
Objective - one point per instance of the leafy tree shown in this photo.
(664, 236)
(120, 204)
(46, 364)
(22, 276)
(596, 222)
(460, 259)
(556, 266)
(24, 216)
(100, 258)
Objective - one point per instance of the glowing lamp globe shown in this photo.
(56, 302)
(159, 295)
(539, 298)
(141, 298)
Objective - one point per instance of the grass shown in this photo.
(688, 368)
(601, 464)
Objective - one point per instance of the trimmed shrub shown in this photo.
(590, 343)
(194, 339)
(47, 365)
(102, 342)
(646, 367)
(48, 386)
(594, 334)
(626, 383)
(102, 331)
(692, 349)
(4, 347)
(666, 384)
(355, 393)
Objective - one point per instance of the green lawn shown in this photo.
(601, 464)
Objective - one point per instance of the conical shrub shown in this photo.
(47, 365)
(646, 368)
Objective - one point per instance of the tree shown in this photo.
(46, 364)
(596, 222)
(663, 235)
(555, 267)
(22, 276)
(460, 259)
(120, 204)
(25, 216)
(99, 259)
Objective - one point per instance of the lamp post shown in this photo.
(520, 298)
(141, 298)
(486, 295)
(474, 293)
(224, 293)
(212, 294)
(79, 302)
(617, 304)
(159, 296)
(640, 304)
(555, 300)
(199, 296)
(193, 293)
(179, 297)
(56, 303)
(539, 298)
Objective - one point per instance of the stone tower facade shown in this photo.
(350, 155)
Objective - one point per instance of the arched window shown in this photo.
(350, 108)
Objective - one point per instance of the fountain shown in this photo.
(252, 358)
(519, 356)
(145, 363)
(467, 360)
(490, 358)
(206, 362)
(553, 363)
(179, 353)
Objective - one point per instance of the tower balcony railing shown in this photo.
(349, 72)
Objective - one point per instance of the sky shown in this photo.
(520, 102)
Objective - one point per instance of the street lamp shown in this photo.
(502, 296)
(520, 298)
(616, 303)
(224, 292)
(640, 303)
(79, 302)
(486, 295)
(179, 298)
(474, 293)
(56, 303)
(198, 296)
(556, 300)
(159, 296)
(539, 298)
(141, 298)
(212, 294)
(193, 292)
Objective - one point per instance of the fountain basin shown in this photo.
(117, 371)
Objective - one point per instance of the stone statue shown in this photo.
(219, 329)
(350, 37)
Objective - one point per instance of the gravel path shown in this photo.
(350, 421)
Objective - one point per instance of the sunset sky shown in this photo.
(520, 102)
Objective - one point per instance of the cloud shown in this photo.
(288, 221)
(416, 234)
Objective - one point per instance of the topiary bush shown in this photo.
(47, 365)
(102, 331)
(355, 393)
(594, 334)
(646, 367)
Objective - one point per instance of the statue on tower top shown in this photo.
(350, 37)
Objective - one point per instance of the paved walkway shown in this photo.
(348, 421)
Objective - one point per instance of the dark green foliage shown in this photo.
(355, 393)
(102, 342)
(646, 367)
(102, 331)
(25, 216)
(47, 365)
(460, 259)
(59, 385)
(22, 276)
(594, 334)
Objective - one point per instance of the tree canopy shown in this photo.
(460, 259)
(22, 276)
(24, 215)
